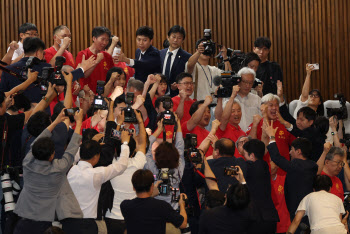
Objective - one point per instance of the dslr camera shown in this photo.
(342, 112)
(99, 101)
(129, 114)
(228, 171)
(209, 45)
(167, 116)
(192, 154)
(165, 175)
(31, 62)
(52, 75)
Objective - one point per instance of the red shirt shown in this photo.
(50, 52)
(233, 133)
(283, 140)
(100, 71)
(87, 124)
(187, 106)
(201, 133)
(169, 131)
(280, 203)
(337, 187)
(129, 71)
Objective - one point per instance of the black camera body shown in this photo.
(31, 62)
(129, 114)
(209, 45)
(228, 171)
(191, 153)
(99, 101)
(341, 112)
(52, 75)
(164, 187)
(167, 116)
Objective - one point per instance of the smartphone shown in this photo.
(115, 134)
(70, 111)
(316, 66)
(116, 51)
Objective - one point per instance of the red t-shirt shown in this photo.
(100, 71)
(87, 124)
(337, 187)
(129, 71)
(283, 140)
(169, 131)
(201, 133)
(280, 203)
(50, 52)
(187, 106)
(233, 133)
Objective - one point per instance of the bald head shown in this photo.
(225, 147)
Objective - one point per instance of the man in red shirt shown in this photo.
(332, 167)
(62, 40)
(183, 102)
(104, 61)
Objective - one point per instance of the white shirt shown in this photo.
(250, 106)
(323, 209)
(122, 186)
(300, 104)
(86, 181)
(206, 75)
(132, 61)
(17, 52)
(173, 56)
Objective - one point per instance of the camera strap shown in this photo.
(210, 83)
(3, 141)
(196, 84)
(174, 133)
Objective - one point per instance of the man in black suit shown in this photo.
(259, 185)
(147, 59)
(174, 58)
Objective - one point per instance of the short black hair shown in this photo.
(199, 41)
(32, 45)
(308, 113)
(27, 27)
(112, 70)
(225, 146)
(43, 148)
(118, 100)
(194, 106)
(262, 42)
(38, 122)
(304, 145)
(237, 196)
(88, 134)
(322, 182)
(214, 198)
(161, 99)
(145, 31)
(182, 75)
(59, 28)
(320, 108)
(251, 56)
(255, 146)
(89, 149)
(322, 124)
(21, 101)
(142, 180)
(100, 30)
(177, 29)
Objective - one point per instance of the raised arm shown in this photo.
(197, 116)
(68, 99)
(194, 58)
(8, 56)
(115, 40)
(228, 108)
(142, 137)
(307, 82)
(180, 108)
(32, 76)
(60, 51)
(320, 162)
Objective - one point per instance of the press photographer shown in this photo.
(164, 108)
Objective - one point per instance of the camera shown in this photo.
(347, 201)
(99, 101)
(236, 59)
(342, 112)
(70, 111)
(129, 114)
(191, 153)
(209, 45)
(165, 175)
(228, 171)
(115, 134)
(31, 62)
(167, 116)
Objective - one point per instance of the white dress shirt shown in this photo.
(86, 181)
(18, 52)
(250, 106)
(132, 61)
(173, 56)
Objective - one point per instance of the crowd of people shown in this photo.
(104, 143)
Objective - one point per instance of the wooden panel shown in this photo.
(301, 31)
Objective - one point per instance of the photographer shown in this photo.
(164, 106)
(145, 214)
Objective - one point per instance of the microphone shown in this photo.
(217, 80)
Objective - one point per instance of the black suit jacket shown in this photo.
(149, 64)
(180, 61)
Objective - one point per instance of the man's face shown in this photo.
(187, 85)
(262, 52)
(101, 41)
(143, 42)
(314, 99)
(334, 166)
(161, 90)
(254, 65)
(40, 54)
(246, 84)
(247, 157)
(62, 34)
(302, 122)
(236, 114)
(118, 109)
(86, 102)
(175, 40)
(205, 118)
(293, 153)
(30, 33)
(272, 108)
(240, 144)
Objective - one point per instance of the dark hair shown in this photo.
(198, 42)
(255, 146)
(88, 134)
(167, 156)
(27, 27)
(38, 122)
(262, 42)
(322, 123)
(54, 230)
(161, 99)
(251, 56)
(166, 44)
(21, 101)
(308, 113)
(304, 145)
(322, 182)
(225, 146)
(182, 75)
(100, 30)
(145, 31)
(89, 148)
(142, 180)
(177, 29)
(43, 148)
(59, 28)
(320, 108)
(214, 198)
(237, 196)
(32, 45)
(112, 70)
(118, 100)
(163, 79)
(194, 106)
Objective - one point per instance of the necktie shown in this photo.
(167, 68)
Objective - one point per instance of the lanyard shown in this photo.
(209, 83)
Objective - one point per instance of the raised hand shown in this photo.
(268, 128)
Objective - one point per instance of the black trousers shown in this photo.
(264, 227)
(27, 226)
(115, 226)
(79, 226)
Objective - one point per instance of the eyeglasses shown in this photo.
(314, 95)
(187, 83)
(32, 34)
(247, 83)
(339, 163)
(242, 142)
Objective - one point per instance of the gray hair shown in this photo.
(136, 84)
(334, 151)
(246, 71)
(270, 97)
(234, 102)
(239, 138)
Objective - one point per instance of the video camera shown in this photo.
(99, 101)
(192, 154)
(165, 175)
(209, 45)
(129, 114)
(228, 171)
(342, 112)
(236, 59)
(167, 116)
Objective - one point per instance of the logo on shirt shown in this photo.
(126, 70)
(280, 190)
(337, 186)
(281, 135)
(105, 65)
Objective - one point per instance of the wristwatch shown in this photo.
(272, 137)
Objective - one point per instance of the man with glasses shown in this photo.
(62, 40)
(239, 145)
